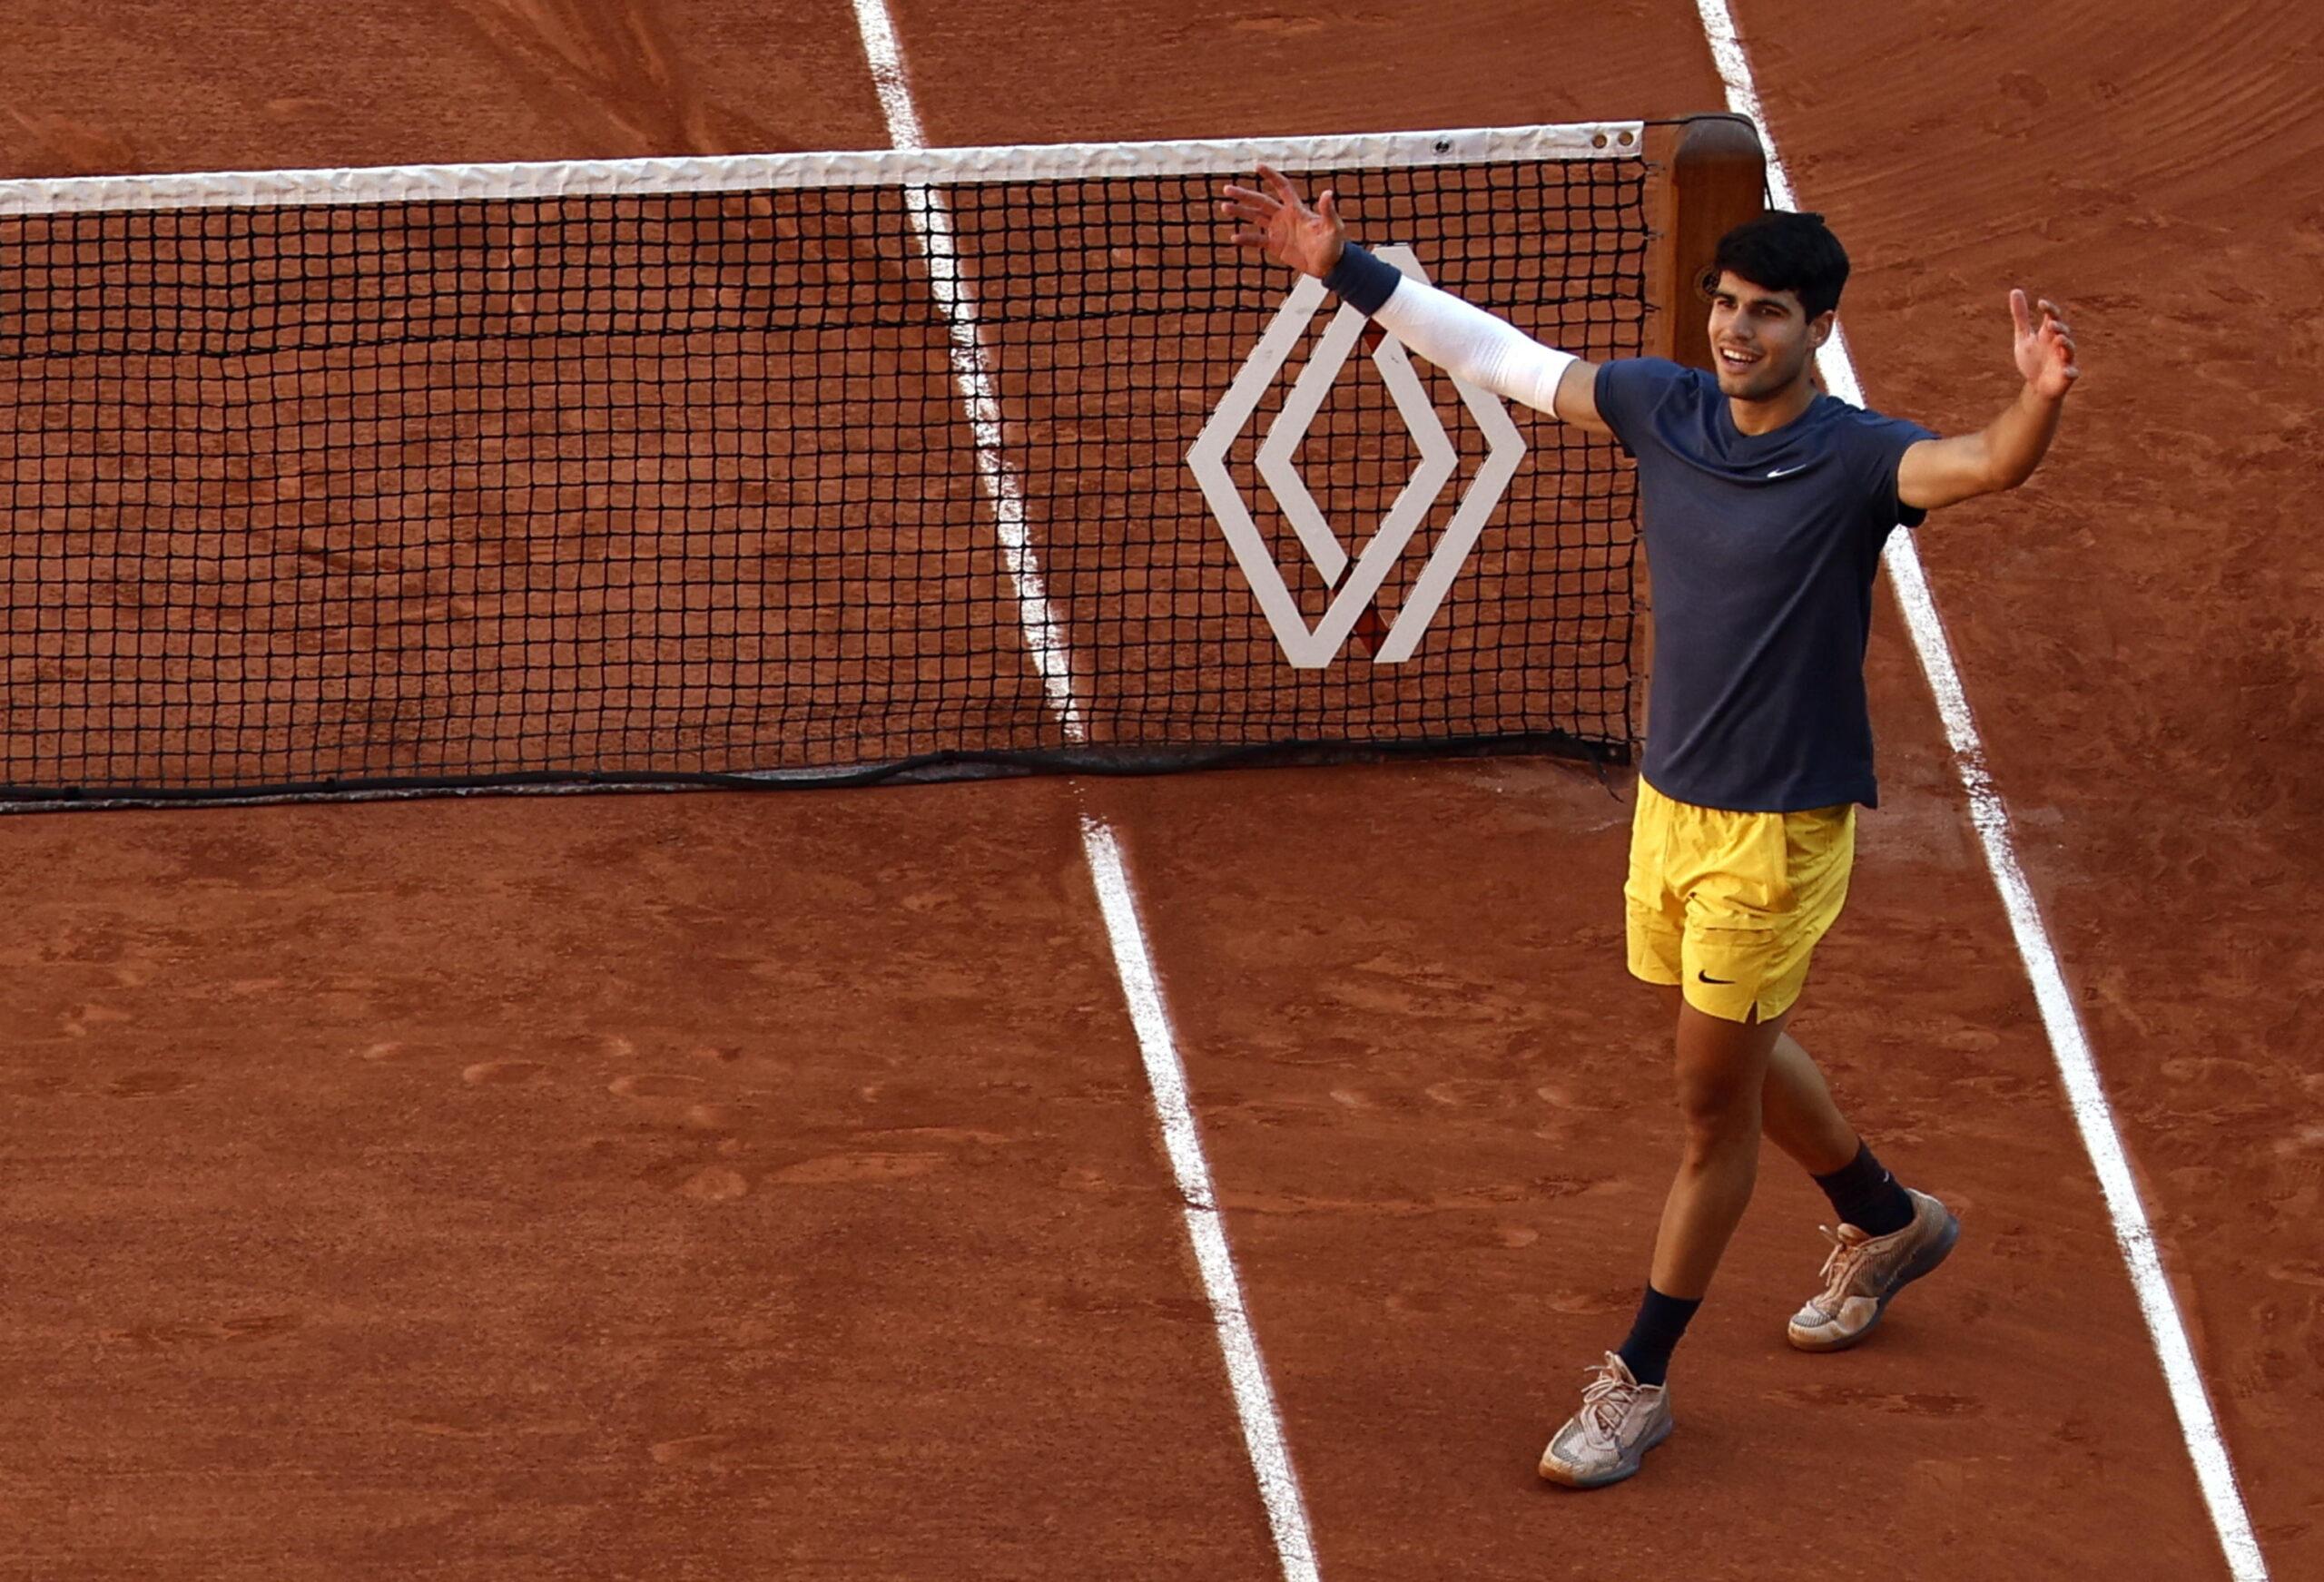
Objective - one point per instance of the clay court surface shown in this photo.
(718, 1187)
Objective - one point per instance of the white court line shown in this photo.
(1246, 1373)
(931, 224)
(2077, 1067)
(1254, 1399)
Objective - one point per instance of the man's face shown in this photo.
(1760, 340)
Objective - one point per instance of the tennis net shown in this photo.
(795, 468)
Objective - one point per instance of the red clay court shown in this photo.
(716, 1185)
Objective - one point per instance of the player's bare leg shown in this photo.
(1797, 1115)
(1723, 1074)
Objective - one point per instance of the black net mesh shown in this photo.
(324, 498)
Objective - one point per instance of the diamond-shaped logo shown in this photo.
(1314, 648)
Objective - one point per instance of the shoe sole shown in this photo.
(1553, 1473)
(1930, 1257)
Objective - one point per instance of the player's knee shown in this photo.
(1719, 1109)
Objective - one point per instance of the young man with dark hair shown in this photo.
(1764, 507)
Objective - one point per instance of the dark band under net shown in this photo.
(318, 497)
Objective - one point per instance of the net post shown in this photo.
(1719, 176)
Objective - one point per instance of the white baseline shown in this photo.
(2069, 1044)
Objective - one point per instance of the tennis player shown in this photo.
(1765, 505)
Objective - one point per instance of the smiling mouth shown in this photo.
(1738, 362)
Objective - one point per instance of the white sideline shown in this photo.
(1247, 1374)
(2069, 1043)
(1246, 1371)
(931, 224)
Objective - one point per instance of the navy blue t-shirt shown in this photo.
(1762, 549)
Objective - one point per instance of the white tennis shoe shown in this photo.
(1619, 1421)
(1864, 1273)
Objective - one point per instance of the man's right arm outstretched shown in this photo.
(1464, 339)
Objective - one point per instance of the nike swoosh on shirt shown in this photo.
(1785, 472)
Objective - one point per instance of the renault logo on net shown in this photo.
(1314, 648)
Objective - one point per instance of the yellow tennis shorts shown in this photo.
(1729, 906)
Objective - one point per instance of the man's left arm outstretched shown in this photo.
(2004, 452)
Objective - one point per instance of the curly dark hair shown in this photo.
(1784, 251)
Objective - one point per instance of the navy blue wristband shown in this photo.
(1365, 283)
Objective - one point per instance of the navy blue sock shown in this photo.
(1654, 1335)
(1866, 1196)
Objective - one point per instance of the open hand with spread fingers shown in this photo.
(2045, 352)
(1279, 224)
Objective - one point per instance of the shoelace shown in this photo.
(1840, 1268)
(1605, 1402)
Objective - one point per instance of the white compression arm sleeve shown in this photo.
(1471, 344)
